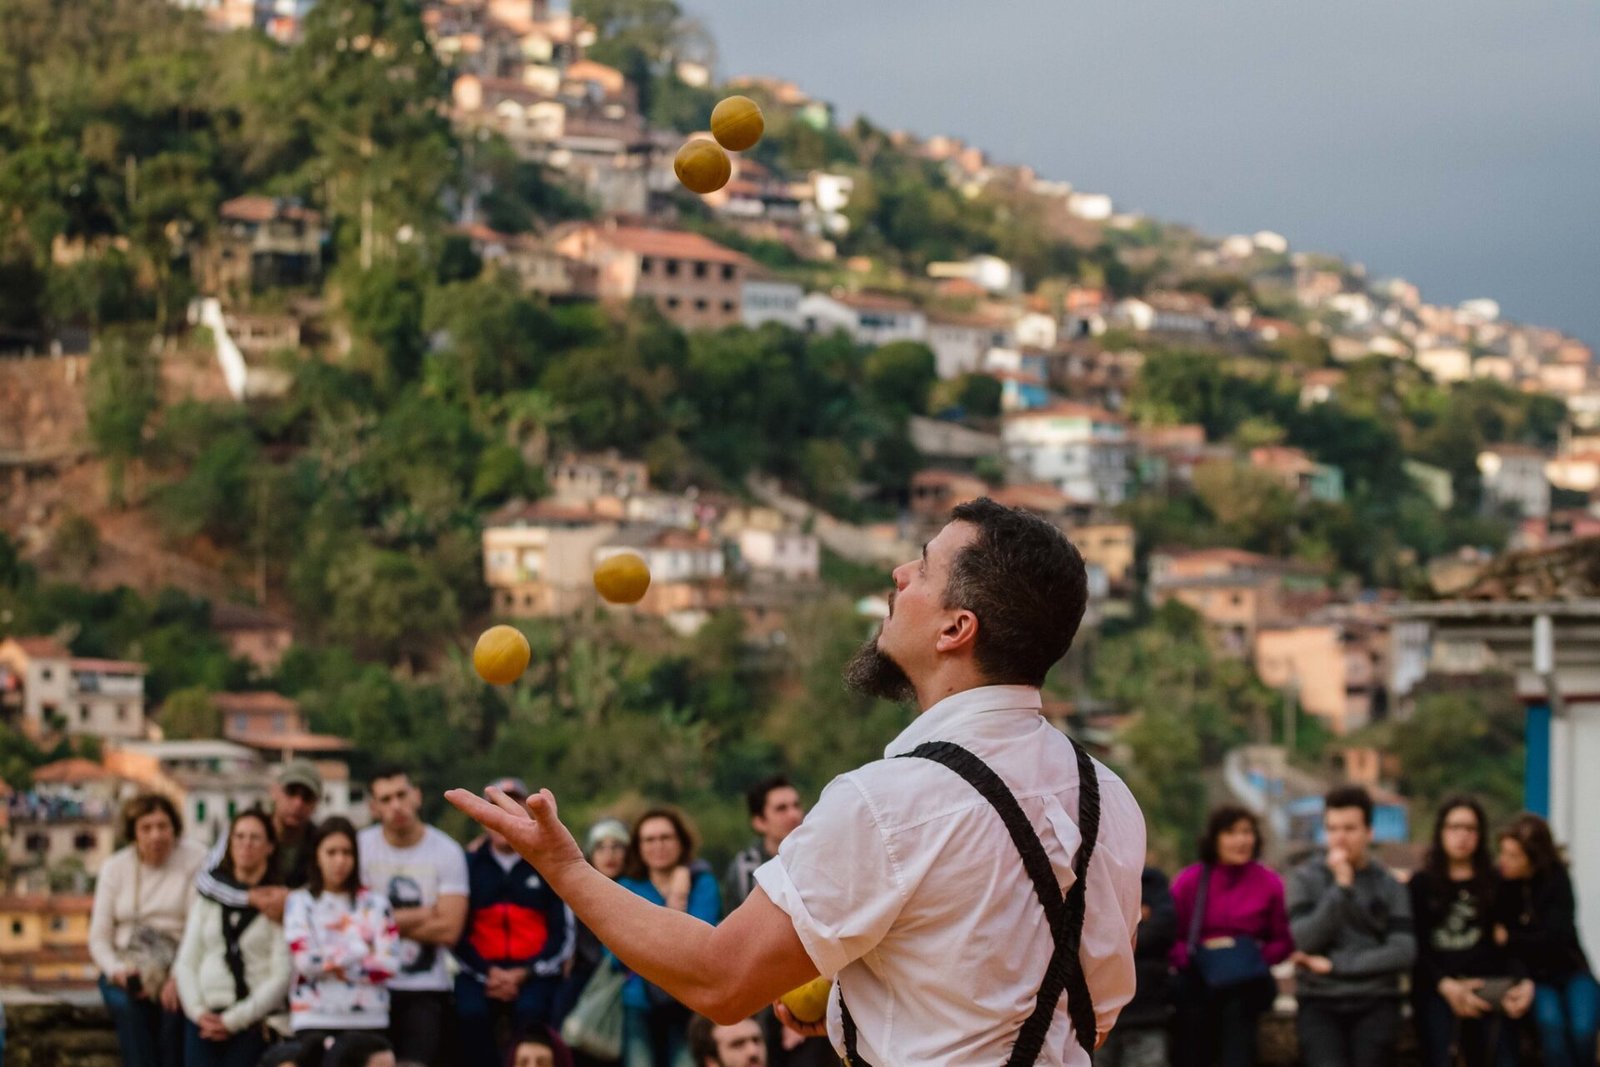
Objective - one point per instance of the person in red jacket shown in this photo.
(518, 939)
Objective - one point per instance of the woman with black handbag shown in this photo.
(233, 964)
(1231, 909)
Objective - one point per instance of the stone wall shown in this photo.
(45, 1033)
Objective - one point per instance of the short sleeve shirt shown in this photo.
(904, 886)
(415, 877)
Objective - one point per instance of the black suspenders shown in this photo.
(1065, 915)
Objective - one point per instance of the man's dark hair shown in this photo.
(336, 824)
(1350, 796)
(702, 1046)
(1027, 585)
(756, 796)
(1221, 821)
(385, 771)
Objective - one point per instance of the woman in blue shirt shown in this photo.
(661, 868)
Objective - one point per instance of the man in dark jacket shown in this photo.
(1140, 1037)
(1351, 922)
(518, 939)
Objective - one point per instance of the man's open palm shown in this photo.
(533, 830)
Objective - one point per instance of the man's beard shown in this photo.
(872, 672)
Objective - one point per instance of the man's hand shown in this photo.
(1518, 999)
(1501, 936)
(169, 996)
(211, 1027)
(1344, 872)
(268, 900)
(504, 983)
(532, 829)
(786, 1017)
(1314, 964)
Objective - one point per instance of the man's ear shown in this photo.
(959, 634)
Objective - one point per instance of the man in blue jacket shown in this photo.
(518, 939)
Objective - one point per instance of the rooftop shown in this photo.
(668, 244)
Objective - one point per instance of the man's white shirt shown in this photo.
(904, 885)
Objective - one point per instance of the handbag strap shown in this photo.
(1199, 915)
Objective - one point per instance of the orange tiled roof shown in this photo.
(265, 209)
(668, 244)
(71, 772)
(248, 702)
(43, 647)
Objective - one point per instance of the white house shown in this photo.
(1035, 329)
(990, 273)
(959, 342)
(869, 319)
(788, 554)
(1096, 207)
(1447, 363)
(1164, 313)
(1515, 475)
(768, 299)
(1084, 451)
(43, 688)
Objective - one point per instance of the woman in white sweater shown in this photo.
(141, 900)
(233, 965)
(343, 944)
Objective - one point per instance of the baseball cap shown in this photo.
(511, 787)
(301, 772)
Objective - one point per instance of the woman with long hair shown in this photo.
(1232, 927)
(661, 867)
(233, 965)
(343, 943)
(1536, 920)
(141, 903)
(1465, 989)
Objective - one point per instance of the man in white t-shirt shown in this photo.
(906, 883)
(423, 872)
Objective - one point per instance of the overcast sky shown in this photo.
(1452, 142)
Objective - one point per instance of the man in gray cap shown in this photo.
(296, 791)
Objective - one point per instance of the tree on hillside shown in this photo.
(372, 93)
(122, 395)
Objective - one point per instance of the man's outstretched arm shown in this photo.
(726, 972)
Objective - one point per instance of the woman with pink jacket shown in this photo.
(1232, 927)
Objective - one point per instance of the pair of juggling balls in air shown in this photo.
(703, 166)
(502, 652)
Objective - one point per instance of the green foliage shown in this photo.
(122, 396)
(190, 713)
(1468, 741)
(1189, 706)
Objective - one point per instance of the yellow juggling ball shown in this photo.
(702, 166)
(809, 1003)
(622, 579)
(736, 123)
(501, 655)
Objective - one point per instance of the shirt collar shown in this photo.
(960, 708)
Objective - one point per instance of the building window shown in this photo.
(46, 674)
(645, 263)
(727, 272)
(38, 843)
(699, 270)
(83, 842)
(57, 924)
(16, 927)
(199, 811)
(672, 268)
(700, 305)
(727, 305)
(83, 713)
(122, 713)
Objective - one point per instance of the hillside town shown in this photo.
(1359, 511)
